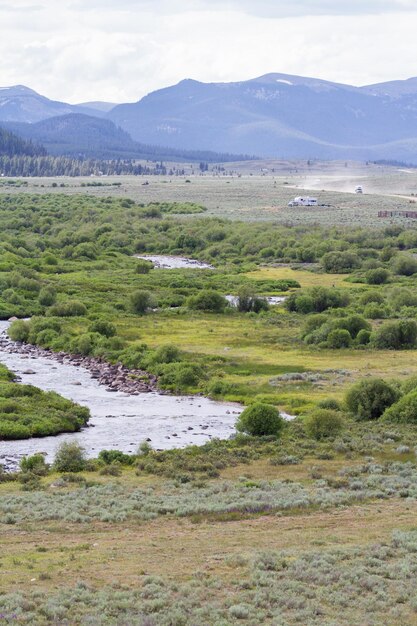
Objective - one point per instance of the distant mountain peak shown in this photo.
(98, 105)
(277, 79)
(278, 115)
(394, 88)
(19, 103)
(17, 90)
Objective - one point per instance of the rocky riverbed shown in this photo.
(114, 377)
(124, 411)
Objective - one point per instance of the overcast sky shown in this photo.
(119, 50)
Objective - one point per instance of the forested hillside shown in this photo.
(85, 136)
(12, 145)
(67, 166)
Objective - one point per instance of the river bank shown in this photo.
(113, 377)
(119, 419)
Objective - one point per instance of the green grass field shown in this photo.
(282, 530)
(247, 192)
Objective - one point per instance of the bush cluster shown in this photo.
(317, 300)
(26, 411)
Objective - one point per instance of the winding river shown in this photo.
(118, 420)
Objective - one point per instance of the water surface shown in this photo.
(168, 262)
(118, 421)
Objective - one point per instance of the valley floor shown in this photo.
(351, 564)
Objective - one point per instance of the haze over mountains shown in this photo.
(21, 104)
(275, 115)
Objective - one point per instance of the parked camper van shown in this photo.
(358, 189)
(303, 201)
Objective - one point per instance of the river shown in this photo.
(118, 420)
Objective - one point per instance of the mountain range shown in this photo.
(275, 115)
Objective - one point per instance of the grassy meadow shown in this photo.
(258, 190)
(313, 524)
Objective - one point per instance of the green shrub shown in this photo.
(372, 296)
(409, 384)
(404, 411)
(218, 387)
(330, 403)
(8, 406)
(134, 356)
(70, 457)
(46, 338)
(400, 297)
(167, 354)
(304, 304)
(143, 267)
(103, 327)
(82, 344)
(340, 262)
(18, 330)
(377, 276)
(112, 456)
(180, 376)
(260, 304)
(34, 464)
(248, 301)
(405, 265)
(314, 322)
(50, 259)
(141, 301)
(208, 300)
(47, 296)
(259, 420)
(321, 299)
(85, 250)
(72, 308)
(323, 423)
(339, 338)
(113, 469)
(374, 311)
(336, 332)
(395, 335)
(363, 338)
(29, 284)
(353, 323)
(144, 449)
(13, 430)
(368, 399)
(10, 295)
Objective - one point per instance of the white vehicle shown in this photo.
(303, 201)
(358, 189)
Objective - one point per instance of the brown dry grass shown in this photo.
(106, 553)
(247, 194)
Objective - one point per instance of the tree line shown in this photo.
(25, 165)
(11, 145)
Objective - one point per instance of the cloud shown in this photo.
(19, 7)
(299, 8)
(121, 51)
(263, 8)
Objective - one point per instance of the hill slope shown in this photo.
(275, 115)
(11, 145)
(21, 104)
(78, 135)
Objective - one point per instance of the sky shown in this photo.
(120, 50)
